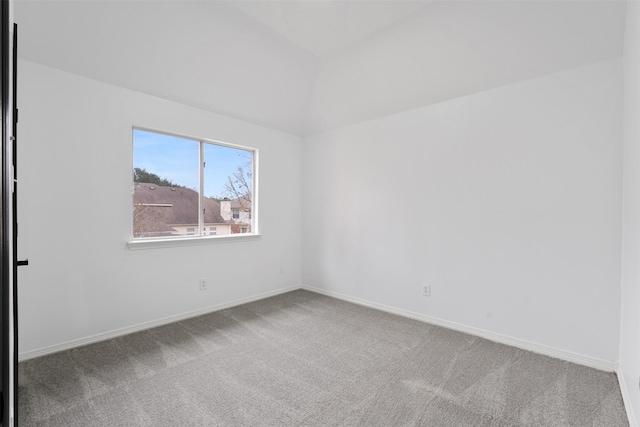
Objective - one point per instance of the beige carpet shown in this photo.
(302, 359)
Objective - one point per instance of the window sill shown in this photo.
(135, 245)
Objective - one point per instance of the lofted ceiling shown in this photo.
(312, 65)
(324, 27)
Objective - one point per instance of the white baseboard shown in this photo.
(626, 399)
(147, 325)
(557, 353)
(525, 345)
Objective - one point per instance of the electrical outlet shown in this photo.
(203, 284)
(426, 290)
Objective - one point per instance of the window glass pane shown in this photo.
(166, 175)
(228, 185)
(165, 200)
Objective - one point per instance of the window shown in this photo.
(182, 185)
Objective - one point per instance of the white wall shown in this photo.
(629, 369)
(507, 202)
(75, 213)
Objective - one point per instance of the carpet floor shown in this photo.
(303, 359)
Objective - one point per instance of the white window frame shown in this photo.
(201, 237)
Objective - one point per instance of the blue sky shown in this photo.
(176, 159)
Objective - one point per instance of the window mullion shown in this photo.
(201, 191)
